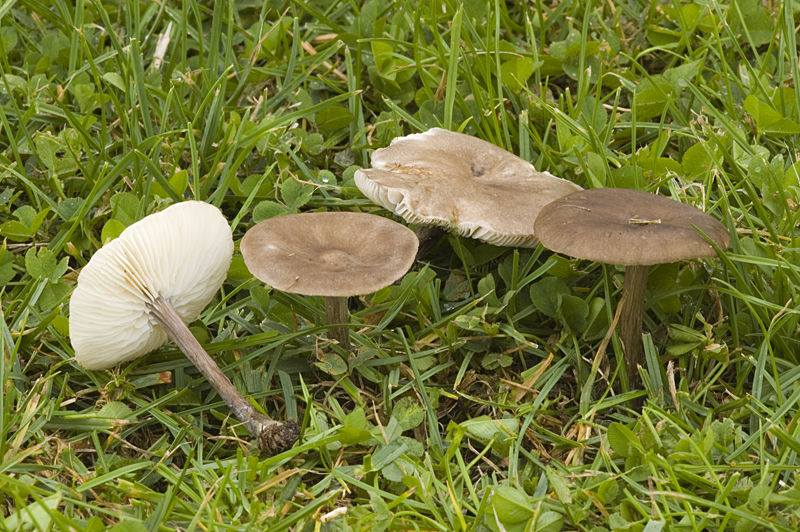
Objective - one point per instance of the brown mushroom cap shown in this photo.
(628, 227)
(463, 183)
(334, 254)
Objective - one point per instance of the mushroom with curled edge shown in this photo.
(330, 254)
(634, 229)
(144, 286)
(461, 183)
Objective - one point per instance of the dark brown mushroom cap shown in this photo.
(329, 253)
(628, 227)
(462, 183)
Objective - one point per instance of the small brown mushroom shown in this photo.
(329, 254)
(462, 183)
(635, 229)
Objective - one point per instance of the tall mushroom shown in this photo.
(635, 229)
(329, 254)
(461, 183)
(143, 287)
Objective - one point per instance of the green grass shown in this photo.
(467, 404)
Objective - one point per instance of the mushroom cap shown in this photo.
(181, 254)
(628, 227)
(462, 183)
(329, 253)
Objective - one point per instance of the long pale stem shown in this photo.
(630, 322)
(336, 312)
(272, 436)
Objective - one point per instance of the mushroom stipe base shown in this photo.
(272, 436)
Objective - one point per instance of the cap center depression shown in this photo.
(336, 259)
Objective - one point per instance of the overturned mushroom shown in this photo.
(144, 287)
(329, 254)
(635, 229)
(462, 183)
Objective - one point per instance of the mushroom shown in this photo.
(462, 183)
(330, 254)
(635, 229)
(143, 287)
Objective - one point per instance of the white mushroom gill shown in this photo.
(398, 203)
(181, 254)
(144, 287)
(427, 177)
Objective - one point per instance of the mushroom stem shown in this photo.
(336, 312)
(273, 436)
(631, 322)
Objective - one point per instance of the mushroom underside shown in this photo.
(143, 287)
(504, 217)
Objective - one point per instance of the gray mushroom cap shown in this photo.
(462, 183)
(335, 254)
(628, 227)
